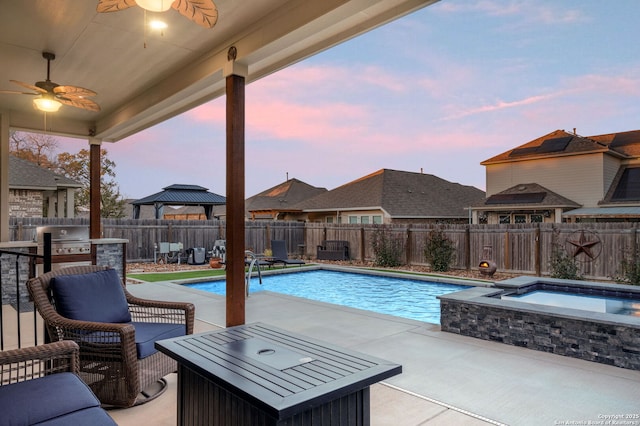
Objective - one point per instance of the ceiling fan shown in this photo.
(202, 12)
(52, 95)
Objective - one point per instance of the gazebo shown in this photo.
(180, 195)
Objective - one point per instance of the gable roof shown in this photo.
(559, 143)
(283, 197)
(527, 195)
(24, 174)
(627, 143)
(401, 194)
(183, 195)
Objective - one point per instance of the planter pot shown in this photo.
(215, 262)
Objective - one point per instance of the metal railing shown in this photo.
(13, 292)
(254, 262)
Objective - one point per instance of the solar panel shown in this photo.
(523, 151)
(624, 139)
(554, 145)
(529, 198)
(546, 147)
(628, 188)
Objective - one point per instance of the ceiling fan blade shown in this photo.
(202, 12)
(15, 92)
(73, 92)
(29, 86)
(80, 103)
(114, 5)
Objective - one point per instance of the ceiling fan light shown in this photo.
(46, 104)
(155, 5)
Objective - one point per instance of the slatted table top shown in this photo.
(280, 372)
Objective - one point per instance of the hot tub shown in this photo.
(593, 321)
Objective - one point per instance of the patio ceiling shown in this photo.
(141, 86)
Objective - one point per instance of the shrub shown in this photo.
(562, 265)
(630, 272)
(387, 250)
(439, 251)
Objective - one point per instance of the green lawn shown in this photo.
(171, 276)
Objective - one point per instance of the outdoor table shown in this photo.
(256, 374)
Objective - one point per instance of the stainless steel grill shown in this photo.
(65, 239)
(69, 241)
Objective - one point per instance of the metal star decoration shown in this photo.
(583, 245)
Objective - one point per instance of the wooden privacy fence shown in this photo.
(516, 248)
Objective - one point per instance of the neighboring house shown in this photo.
(199, 200)
(277, 203)
(564, 177)
(38, 192)
(392, 196)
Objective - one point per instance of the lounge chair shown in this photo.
(280, 255)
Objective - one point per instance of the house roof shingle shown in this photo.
(527, 196)
(401, 194)
(283, 196)
(559, 142)
(24, 174)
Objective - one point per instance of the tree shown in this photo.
(76, 166)
(35, 147)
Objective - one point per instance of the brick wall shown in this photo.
(25, 203)
(603, 342)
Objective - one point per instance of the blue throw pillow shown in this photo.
(95, 296)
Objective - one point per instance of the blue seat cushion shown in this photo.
(95, 296)
(94, 416)
(147, 333)
(46, 398)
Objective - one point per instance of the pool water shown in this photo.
(412, 299)
(610, 305)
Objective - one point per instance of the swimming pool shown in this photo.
(412, 299)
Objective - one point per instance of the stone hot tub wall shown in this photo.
(600, 337)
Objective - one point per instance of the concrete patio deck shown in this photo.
(447, 379)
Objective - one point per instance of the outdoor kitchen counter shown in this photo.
(258, 374)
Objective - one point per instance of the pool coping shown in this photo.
(354, 270)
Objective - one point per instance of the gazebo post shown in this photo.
(235, 114)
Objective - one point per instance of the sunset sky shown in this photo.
(439, 90)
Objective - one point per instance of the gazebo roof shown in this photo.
(182, 195)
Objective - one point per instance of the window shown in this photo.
(353, 219)
(505, 218)
(629, 186)
(520, 218)
(377, 220)
(536, 218)
(364, 219)
(329, 219)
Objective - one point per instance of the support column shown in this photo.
(4, 176)
(235, 79)
(70, 203)
(94, 188)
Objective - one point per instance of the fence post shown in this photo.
(507, 251)
(537, 250)
(467, 249)
(408, 250)
(362, 248)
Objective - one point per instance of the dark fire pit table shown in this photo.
(256, 374)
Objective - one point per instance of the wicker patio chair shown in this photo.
(39, 385)
(117, 358)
